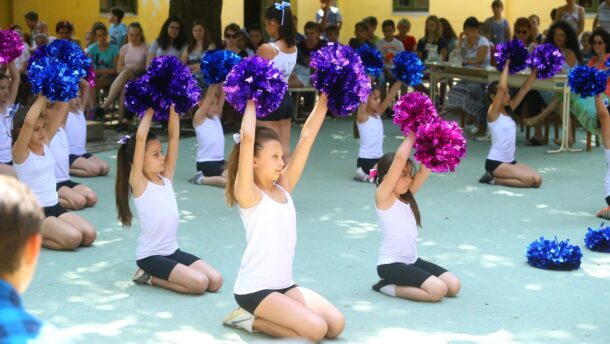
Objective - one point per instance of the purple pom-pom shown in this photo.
(56, 70)
(548, 59)
(412, 110)
(408, 68)
(553, 255)
(440, 145)
(91, 76)
(587, 81)
(255, 78)
(339, 73)
(11, 46)
(167, 82)
(513, 50)
(598, 239)
(216, 65)
(371, 59)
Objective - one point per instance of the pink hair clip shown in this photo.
(372, 174)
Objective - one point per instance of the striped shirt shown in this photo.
(603, 16)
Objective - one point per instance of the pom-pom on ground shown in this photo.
(598, 239)
(553, 255)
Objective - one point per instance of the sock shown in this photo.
(389, 290)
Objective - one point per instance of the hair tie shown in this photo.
(123, 140)
(237, 138)
(281, 7)
(372, 174)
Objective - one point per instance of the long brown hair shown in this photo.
(261, 135)
(206, 37)
(122, 190)
(383, 166)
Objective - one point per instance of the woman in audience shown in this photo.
(231, 33)
(572, 14)
(171, 40)
(448, 34)
(198, 45)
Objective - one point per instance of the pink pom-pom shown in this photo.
(91, 76)
(11, 46)
(413, 110)
(440, 145)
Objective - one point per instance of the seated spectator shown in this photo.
(311, 43)
(535, 21)
(586, 51)
(408, 41)
(42, 29)
(65, 30)
(388, 47)
(332, 33)
(118, 30)
(371, 22)
(361, 31)
(31, 21)
(131, 64)
(171, 40)
(20, 242)
(432, 41)
(299, 37)
(255, 35)
(104, 56)
(242, 42)
(448, 34)
(231, 33)
(199, 44)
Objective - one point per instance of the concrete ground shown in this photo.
(477, 231)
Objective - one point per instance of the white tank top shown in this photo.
(59, 149)
(271, 232)
(399, 234)
(6, 123)
(607, 178)
(76, 129)
(158, 214)
(210, 140)
(503, 136)
(283, 61)
(371, 138)
(37, 172)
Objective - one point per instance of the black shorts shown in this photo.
(10, 163)
(211, 168)
(54, 210)
(413, 275)
(68, 183)
(250, 301)
(162, 266)
(284, 111)
(491, 165)
(366, 164)
(73, 157)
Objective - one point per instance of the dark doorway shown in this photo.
(252, 13)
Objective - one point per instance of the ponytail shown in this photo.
(122, 189)
(286, 31)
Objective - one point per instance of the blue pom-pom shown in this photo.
(167, 82)
(371, 59)
(607, 63)
(513, 50)
(553, 255)
(408, 68)
(598, 239)
(216, 65)
(56, 69)
(339, 73)
(255, 78)
(587, 81)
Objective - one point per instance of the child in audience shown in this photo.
(361, 31)
(118, 30)
(388, 47)
(408, 41)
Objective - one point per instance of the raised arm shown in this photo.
(137, 181)
(420, 178)
(386, 189)
(390, 96)
(55, 118)
(527, 85)
(246, 193)
(292, 172)
(20, 148)
(15, 79)
(84, 94)
(494, 110)
(173, 142)
(205, 104)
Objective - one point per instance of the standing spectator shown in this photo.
(408, 42)
(255, 35)
(328, 15)
(448, 34)
(198, 45)
(535, 21)
(498, 26)
(432, 40)
(573, 14)
(388, 47)
(31, 20)
(602, 19)
(171, 40)
(372, 24)
(231, 34)
(361, 31)
(118, 30)
(104, 56)
(131, 63)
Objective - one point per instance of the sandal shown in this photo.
(534, 142)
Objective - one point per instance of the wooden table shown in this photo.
(486, 74)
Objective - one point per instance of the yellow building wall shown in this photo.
(5, 14)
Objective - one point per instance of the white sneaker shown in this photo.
(474, 130)
(483, 138)
(197, 178)
(240, 318)
(142, 277)
(361, 176)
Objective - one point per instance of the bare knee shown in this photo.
(88, 237)
(453, 287)
(69, 240)
(198, 284)
(104, 169)
(91, 199)
(215, 282)
(436, 290)
(79, 201)
(336, 324)
(315, 329)
(537, 181)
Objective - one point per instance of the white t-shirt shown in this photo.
(333, 18)
(38, 172)
(155, 49)
(389, 50)
(210, 140)
(399, 234)
(472, 52)
(371, 138)
(503, 136)
(6, 123)
(59, 149)
(134, 57)
(76, 130)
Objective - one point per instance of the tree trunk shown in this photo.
(208, 11)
